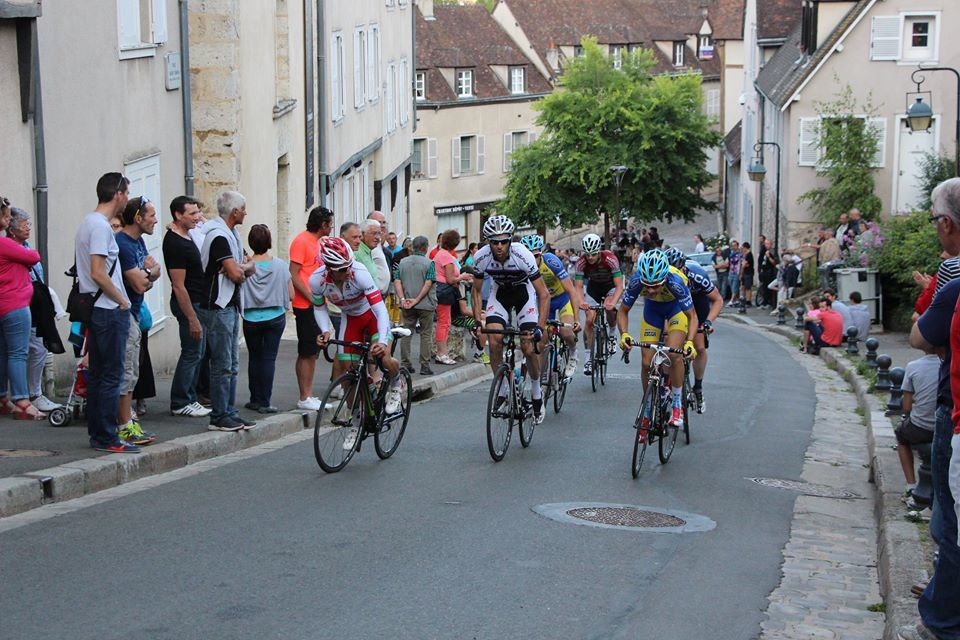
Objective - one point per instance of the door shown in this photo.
(912, 148)
(144, 176)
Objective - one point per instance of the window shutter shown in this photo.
(371, 61)
(128, 23)
(455, 165)
(357, 70)
(885, 38)
(431, 157)
(159, 26)
(480, 154)
(879, 125)
(507, 150)
(809, 147)
(335, 104)
(532, 137)
(404, 95)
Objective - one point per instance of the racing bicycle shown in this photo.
(514, 406)
(557, 355)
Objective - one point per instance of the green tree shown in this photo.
(933, 170)
(848, 147)
(602, 117)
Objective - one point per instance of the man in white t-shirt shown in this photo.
(96, 253)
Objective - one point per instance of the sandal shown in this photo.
(7, 407)
(28, 412)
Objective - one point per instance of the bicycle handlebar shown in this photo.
(510, 331)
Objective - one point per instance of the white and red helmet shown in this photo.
(335, 252)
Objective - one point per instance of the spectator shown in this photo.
(840, 308)
(266, 294)
(413, 280)
(436, 248)
(140, 271)
(920, 407)
(747, 266)
(19, 231)
(448, 300)
(823, 328)
(860, 315)
(791, 275)
(304, 260)
(369, 240)
(392, 245)
(721, 264)
(182, 260)
(698, 246)
(856, 226)
(97, 257)
(735, 258)
(225, 268)
(769, 263)
(383, 259)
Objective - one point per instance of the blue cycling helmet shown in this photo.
(652, 267)
(532, 242)
(675, 257)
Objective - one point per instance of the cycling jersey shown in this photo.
(674, 289)
(518, 268)
(601, 273)
(553, 273)
(357, 298)
(697, 279)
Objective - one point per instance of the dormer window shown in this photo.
(420, 85)
(578, 51)
(678, 48)
(518, 80)
(464, 83)
(705, 47)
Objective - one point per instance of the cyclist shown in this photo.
(668, 304)
(518, 287)
(708, 304)
(562, 292)
(347, 284)
(604, 281)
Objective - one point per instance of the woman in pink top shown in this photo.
(448, 272)
(16, 290)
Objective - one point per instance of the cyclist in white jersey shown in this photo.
(517, 287)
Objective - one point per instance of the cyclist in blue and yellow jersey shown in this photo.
(599, 281)
(708, 304)
(668, 304)
(563, 296)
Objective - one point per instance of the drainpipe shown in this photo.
(321, 101)
(185, 97)
(39, 154)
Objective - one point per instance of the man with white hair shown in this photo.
(383, 259)
(370, 254)
(225, 267)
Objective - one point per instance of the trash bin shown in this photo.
(867, 283)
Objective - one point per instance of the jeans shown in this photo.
(183, 390)
(14, 343)
(938, 604)
(107, 344)
(733, 283)
(222, 327)
(816, 333)
(263, 343)
(723, 284)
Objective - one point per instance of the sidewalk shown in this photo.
(61, 464)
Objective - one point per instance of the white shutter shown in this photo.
(159, 26)
(431, 157)
(404, 94)
(808, 149)
(885, 34)
(357, 70)
(336, 106)
(532, 137)
(373, 63)
(391, 105)
(455, 165)
(507, 150)
(128, 23)
(879, 125)
(358, 196)
(480, 154)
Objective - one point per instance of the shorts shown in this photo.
(595, 294)
(361, 328)
(748, 281)
(560, 306)
(307, 332)
(909, 433)
(657, 315)
(519, 300)
(131, 363)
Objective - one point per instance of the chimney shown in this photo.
(808, 27)
(553, 57)
(426, 9)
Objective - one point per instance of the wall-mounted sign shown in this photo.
(459, 208)
(174, 75)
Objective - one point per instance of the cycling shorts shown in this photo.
(560, 306)
(595, 295)
(519, 300)
(361, 328)
(657, 315)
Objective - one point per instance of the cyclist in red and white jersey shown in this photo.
(600, 270)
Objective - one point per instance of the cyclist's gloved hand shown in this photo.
(626, 340)
(537, 334)
(690, 349)
(707, 327)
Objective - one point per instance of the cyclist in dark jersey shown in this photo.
(600, 270)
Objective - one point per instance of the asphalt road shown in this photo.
(440, 542)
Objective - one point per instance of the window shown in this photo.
(513, 141)
(336, 77)
(713, 103)
(144, 175)
(421, 85)
(418, 157)
(464, 83)
(616, 56)
(373, 63)
(678, 48)
(391, 110)
(403, 98)
(390, 3)
(359, 67)
(468, 155)
(633, 48)
(809, 145)
(909, 37)
(919, 41)
(141, 26)
(578, 51)
(518, 80)
(705, 47)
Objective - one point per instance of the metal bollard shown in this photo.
(872, 345)
(799, 324)
(782, 314)
(895, 405)
(923, 492)
(852, 333)
(883, 372)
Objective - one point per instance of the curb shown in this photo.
(900, 561)
(81, 477)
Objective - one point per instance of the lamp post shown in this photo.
(617, 170)
(920, 114)
(757, 171)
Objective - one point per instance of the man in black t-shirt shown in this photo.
(746, 274)
(181, 258)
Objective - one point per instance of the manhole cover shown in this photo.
(625, 517)
(806, 488)
(27, 453)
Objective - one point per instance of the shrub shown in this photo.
(933, 171)
(911, 244)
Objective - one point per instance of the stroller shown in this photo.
(76, 405)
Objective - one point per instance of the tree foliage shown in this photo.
(911, 244)
(602, 117)
(934, 170)
(848, 146)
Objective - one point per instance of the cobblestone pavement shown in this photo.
(829, 575)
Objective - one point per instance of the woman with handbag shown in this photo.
(451, 306)
(16, 291)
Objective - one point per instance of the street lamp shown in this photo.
(617, 170)
(920, 114)
(757, 172)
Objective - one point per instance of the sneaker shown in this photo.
(444, 359)
(44, 404)
(226, 424)
(268, 409)
(313, 403)
(915, 631)
(676, 420)
(204, 401)
(120, 447)
(571, 368)
(481, 357)
(394, 397)
(132, 433)
(192, 410)
(538, 414)
(351, 439)
(253, 406)
(701, 405)
(425, 370)
(247, 423)
(588, 368)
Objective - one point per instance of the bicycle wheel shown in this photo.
(525, 421)
(596, 353)
(689, 402)
(547, 365)
(640, 448)
(500, 419)
(668, 439)
(605, 350)
(562, 381)
(390, 428)
(332, 426)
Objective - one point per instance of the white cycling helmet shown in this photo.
(335, 252)
(591, 244)
(498, 226)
